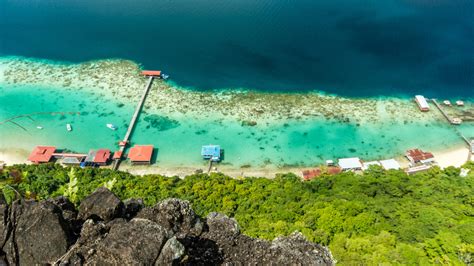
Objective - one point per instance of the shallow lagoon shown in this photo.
(178, 140)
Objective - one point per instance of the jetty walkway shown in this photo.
(126, 138)
(450, 120)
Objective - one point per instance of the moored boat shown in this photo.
(111, 126)
(447, 103)
(68, 127)
(459, 103)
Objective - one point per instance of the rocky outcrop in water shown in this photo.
(106, 231)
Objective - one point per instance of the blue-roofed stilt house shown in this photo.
(211, 152)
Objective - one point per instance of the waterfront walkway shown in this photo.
(450, 120)
(131, 126)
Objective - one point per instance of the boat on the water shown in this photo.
(68, 127)
(164, 76)
(111, 126)
(39, 127)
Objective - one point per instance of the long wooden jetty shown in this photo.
(450, 120)
(133, 121)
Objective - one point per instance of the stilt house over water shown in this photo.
(422, 103)
(211, 152)
(141, 154)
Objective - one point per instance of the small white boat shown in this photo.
(447, 103)
(111, 126)
(39, 127)
(459, 103)
(68, 127)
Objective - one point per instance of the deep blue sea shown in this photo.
(348, 47)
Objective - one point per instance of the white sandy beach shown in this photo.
(455, 156)
(452, 157)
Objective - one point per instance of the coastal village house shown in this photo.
(422, 103)
(314, 173)
(41, 154)
(141, 154)
(348, 164)
(98, 157)
(72, 160)
(211, 152)
(390, 164)
(418, 156)
(366, 165)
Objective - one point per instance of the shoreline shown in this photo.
(454, 156)
(250, 114)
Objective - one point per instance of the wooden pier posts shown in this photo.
(133, 121)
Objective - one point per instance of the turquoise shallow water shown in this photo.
(178, 142)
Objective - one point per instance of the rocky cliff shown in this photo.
(106, 231)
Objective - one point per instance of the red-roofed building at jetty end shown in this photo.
(141, 154)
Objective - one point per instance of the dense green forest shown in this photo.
(380, 217)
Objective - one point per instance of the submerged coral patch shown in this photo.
(161, 123)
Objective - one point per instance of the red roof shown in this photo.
(313, 173)
(151, 73)
(102, 156)
(334, 170)
(141, 153)
(117, 155)
(310, 174)
(419, 155)
(41, 154)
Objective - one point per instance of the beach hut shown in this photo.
(418, 156)
(98, 157)
(41, 154)
(154, 73)
(316, 172)
(366, 165)
(329, 163)
(417, 169)
(211, 152)
(141, 154)
(347, 164)
(72, 160)
(311, 174)
(390, 164)
(334, 170)
(422, 103)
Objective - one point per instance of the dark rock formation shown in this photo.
(36, 233)
(175, 215)
(106, 231)
(100, 205)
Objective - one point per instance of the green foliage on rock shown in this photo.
(380, 217)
